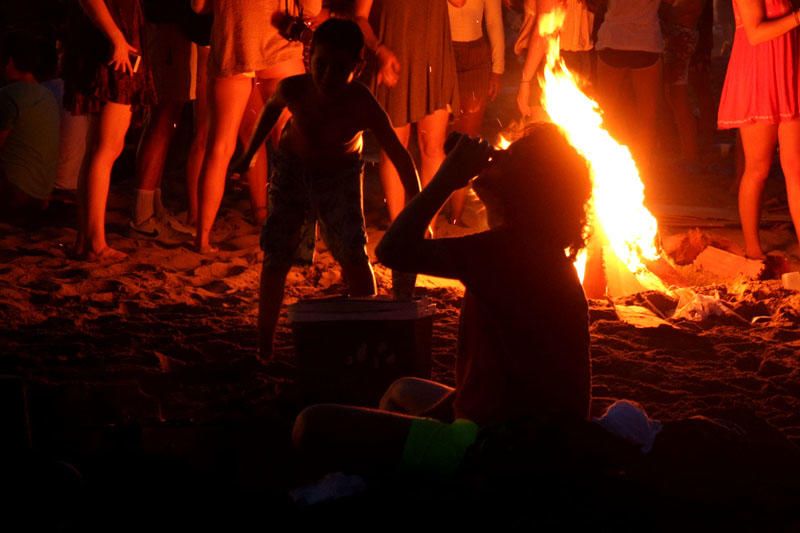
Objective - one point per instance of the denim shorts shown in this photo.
(300, 196)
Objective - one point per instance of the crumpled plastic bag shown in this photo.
(629, 421)
(697, 307)
(333, 486)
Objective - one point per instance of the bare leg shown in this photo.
(647, 89)
(413, 396)
(610, 85)
(431, 134)
(350, 439)
(678, 96)
(267, 83)
(112, 125)
(197, 151)
(86, 160)
(390, 179)
(152, 152)
(228, 99)
(789, 140)
(273, 281)
(470, 123)
(257, 175)
(700, 80)
(758, 141)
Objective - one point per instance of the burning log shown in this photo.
(624, 232)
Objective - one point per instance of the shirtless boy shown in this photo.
(318, 166)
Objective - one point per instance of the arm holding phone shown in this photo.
(98, 12)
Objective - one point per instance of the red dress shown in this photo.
(761, 84)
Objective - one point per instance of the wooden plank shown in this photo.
(726, 265)
(640, 317)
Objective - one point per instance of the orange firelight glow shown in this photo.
(618, 217)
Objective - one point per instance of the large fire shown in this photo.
(623, 230)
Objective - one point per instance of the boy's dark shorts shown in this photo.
(299, 195)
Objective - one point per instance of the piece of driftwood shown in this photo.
(728, 266)
(640, 317)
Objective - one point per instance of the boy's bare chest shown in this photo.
(337, 123)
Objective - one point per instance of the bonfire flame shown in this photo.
(619, 220)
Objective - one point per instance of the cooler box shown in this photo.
(351, 350)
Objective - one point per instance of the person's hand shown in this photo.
(121, 56)
(524, 98)
(494, 86)
(389, 73)
(464, 161)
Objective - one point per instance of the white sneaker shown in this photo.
(156, 229)
(177, 224)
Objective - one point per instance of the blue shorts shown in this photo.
(299, 196)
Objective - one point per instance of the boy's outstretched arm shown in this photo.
(404, 246)
(381, 127)
(266, 121)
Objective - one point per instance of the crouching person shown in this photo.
(523, 346)
(29, 123)
(318, 166)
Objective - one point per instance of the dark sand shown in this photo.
(145, 373)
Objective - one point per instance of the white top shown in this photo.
(465, 26)
(631, 25)
(576, 32)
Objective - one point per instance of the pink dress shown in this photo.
(762, 83)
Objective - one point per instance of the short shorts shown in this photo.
(299, 195)
(437, 448)
(630, 59)
(680, 44)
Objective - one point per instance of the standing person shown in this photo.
(480, 65)
(416, 81)
(318, 167)
(29, 120)
(629, 47)
(173, 60)
(198, 28)
(244, 46)
(576, 45)
(681, 37)
(105, 75)
(761, 97)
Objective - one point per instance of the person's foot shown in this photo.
(105, 255)
(259, 215)
(156, 229)
(177, 224)
(205, 249)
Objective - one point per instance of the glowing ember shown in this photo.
(502, 143)
(618, 217)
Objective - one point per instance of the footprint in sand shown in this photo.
(45, 285)
(144, 267)
(236, 270)
(73, 274)
(217, 287)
